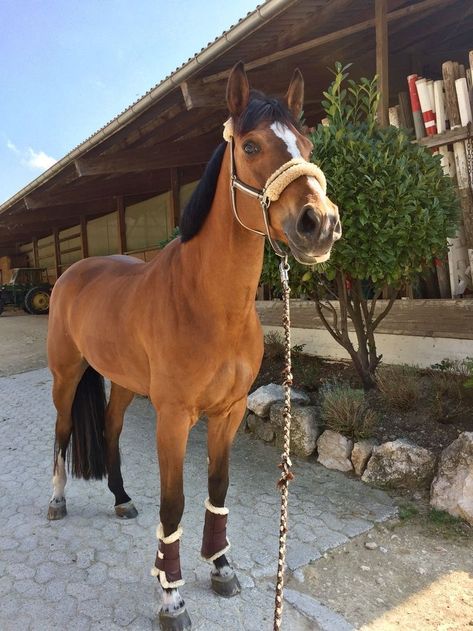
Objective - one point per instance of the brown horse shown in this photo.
(183, 329)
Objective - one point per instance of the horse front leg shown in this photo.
(221, 432)
(173, 428)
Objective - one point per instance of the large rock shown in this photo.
(260, 427)
(261, 400)
(400, 464)
(360, 455)
(334, 451)
(452, 488)
(305, 428)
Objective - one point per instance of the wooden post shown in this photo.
(405, 112)
(121, 225)
(381, 24)
(57, 253)
(175, 215)
(83, 237)
(463, 241)
(35, 252)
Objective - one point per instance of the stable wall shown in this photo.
(147, 224)
(416, 332)
(395, 349)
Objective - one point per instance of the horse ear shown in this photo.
(238, 90)
(295, 94)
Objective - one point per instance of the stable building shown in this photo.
(122, 189)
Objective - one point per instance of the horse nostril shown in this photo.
(308, 221)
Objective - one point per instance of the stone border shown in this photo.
(399, 464)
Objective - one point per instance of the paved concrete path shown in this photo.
(92, 571)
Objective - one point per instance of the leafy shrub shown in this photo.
(345, 410)
(399, 386)
(397, 209)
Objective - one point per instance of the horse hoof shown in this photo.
(226, 586)
(57, 510)
(175, 622)
(126, 510)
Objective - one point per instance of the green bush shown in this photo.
(397, 210)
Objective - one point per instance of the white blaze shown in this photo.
(289, 137)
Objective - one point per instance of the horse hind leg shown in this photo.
(64, 389)
(120, 399)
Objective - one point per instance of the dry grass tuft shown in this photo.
(274, 345)
(446, 392)
(399, 386)
(346, 411)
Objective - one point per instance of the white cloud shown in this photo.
(38, 160)
(13, 147)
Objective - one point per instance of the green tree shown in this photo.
(397, 211)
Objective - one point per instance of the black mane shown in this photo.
(198, 207)
(263, 108)
(260, 108)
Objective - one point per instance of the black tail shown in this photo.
(88, 422)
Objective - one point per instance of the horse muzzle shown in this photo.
(313, 234)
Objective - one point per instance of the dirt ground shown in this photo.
(416, 573)
(418, 576)
(22, 342)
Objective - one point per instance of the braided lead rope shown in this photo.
(285, 464)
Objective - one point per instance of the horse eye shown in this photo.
(250, 148)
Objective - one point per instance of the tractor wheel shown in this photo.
(37, 301)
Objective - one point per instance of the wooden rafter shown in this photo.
(198, 94)
(420, 8)
(162, 156)
(149, 183)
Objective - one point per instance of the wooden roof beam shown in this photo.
(198, 94)
(161, 156)
(100, 192)
(408, 38)
(58, 213)
(419, 9)
(148, 183)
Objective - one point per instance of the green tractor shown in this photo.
(28, 288)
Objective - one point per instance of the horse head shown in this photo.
(271, 164)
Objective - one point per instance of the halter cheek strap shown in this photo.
(273, 188)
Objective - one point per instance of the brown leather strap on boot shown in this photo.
(214, 538)
(167, 566)
(168, 561)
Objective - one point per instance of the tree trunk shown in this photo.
(361, 312)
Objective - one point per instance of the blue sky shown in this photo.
(68, 66)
